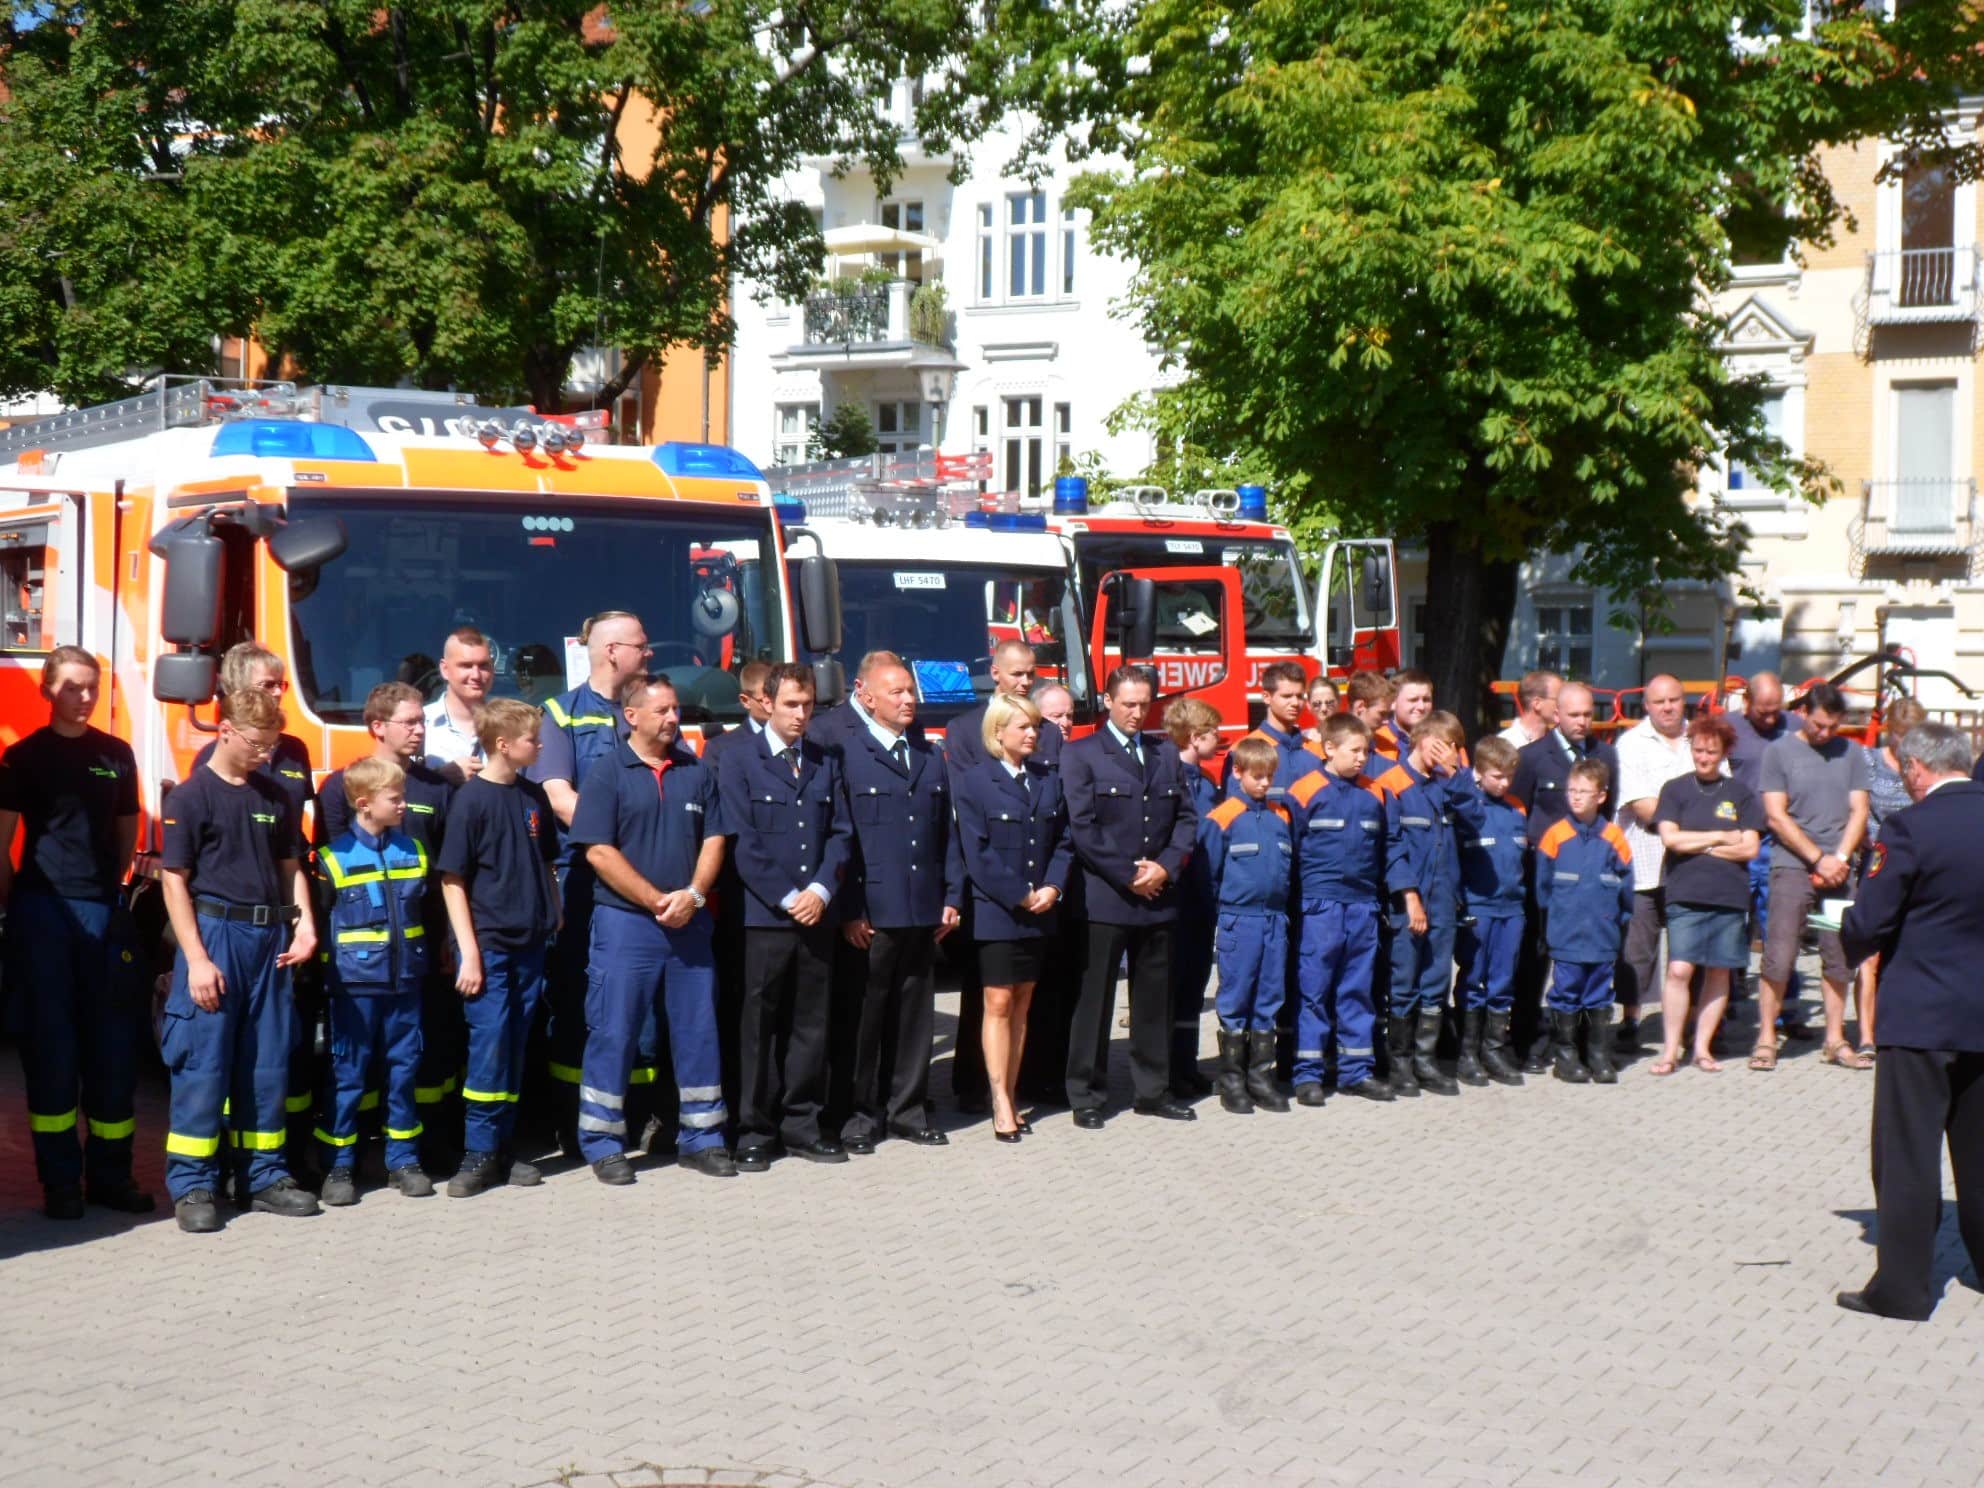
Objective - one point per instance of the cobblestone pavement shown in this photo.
(1545, 1286)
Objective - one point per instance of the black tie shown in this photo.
(899, 752)
(1026, 786)
(792, 759)
(1136, 754)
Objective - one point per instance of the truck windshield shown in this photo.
(944, 619)
(527, 573)
(1274, 600)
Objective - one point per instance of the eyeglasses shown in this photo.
(256, 745)
(275, 685)
(641, 646)
(419, 720)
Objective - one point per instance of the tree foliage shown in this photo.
(442, 191)
(1444, 266)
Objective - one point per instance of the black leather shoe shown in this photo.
(1088, 1118)
(754, 1159)
(340, 1188)
(286, 1198)
(1857, 1302)
(822, 1151)
(614, 1170)
(1309, 1093)
(124, 1198)
(1370, 1088)
(922, 1136)
(861, 1144)
(1191, 1085)
(712, 1162)
(62, 1203)
(1166, 1110)
(520, 1174)
(1011, 1136)
(197, 1213)
(412, 1181)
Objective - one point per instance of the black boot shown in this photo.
(1467, 1069)
(1598, 1047)
(1233, 1073)
(1564, 1049)
(1425, 1066)
(1260, 1071)
(1495, 1051)
(1398, 1044)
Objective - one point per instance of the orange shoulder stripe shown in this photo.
(1304, 790)
(1521, 810)
(1394, 781)
(1556, 837)
(1617, 838)
(1279, 810)
(1227, 812)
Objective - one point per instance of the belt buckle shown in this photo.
(264, 916)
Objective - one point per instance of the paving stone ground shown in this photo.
(1536, 1287)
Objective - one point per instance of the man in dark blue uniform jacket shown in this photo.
(1132, 823)
(1013, 672)
(1918, 909)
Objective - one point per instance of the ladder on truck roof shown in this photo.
(180, 402)
(850, 488)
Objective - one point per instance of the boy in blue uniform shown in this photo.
(1250, 858)
(1343, 825)
(503, 907)
(1423, 874)
(1584, 883)
(1193, 727)
(1491, 829)
(378, 960)
(233, 881)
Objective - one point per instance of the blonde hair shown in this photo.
(505, 718)
(250, 707)
(1902, 715)
(365, 778)
(1253, 756)
(1000, 711)
(238, 666)
(1189, 716)
(63, 656)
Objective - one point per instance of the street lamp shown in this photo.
(937, 378)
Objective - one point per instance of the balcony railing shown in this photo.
(856, 315)
(1922, 284)
(1917, 516)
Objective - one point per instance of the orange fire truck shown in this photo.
(349, 530)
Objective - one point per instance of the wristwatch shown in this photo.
(697, 896)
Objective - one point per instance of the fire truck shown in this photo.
(350, 530)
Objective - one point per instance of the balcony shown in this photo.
(1916, 517)
(870, 324)
(1922, 286)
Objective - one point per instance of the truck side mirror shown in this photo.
(1377, 587)
(299, 547)
(189, 605)
(1136, 618)
(183, 677)
(829, 681)
(819, 604)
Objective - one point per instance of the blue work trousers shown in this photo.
(73, 966)
(375, 1047)
(1581, 987)
(1422, 966)
(1489, 950)
(498, 1031)
(230, 1067)
(1253, 970)
(443, 1046)
(1338, 960)
(636, 964)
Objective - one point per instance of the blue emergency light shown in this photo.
(280, 439)
(1019, 521)
(790, 513)
(1071, 496)
(1253, 503)
(679, 457)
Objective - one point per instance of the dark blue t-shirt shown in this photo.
(428, 793)
(500, 843)
(658, 820)
(288, 769)
(231, 839)
(69, 794)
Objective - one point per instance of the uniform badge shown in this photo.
(1725, 811)
(530, 820)
(1880, 860)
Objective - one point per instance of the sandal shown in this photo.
(1867, 1051)
(1764, 1057)
(1664, 1065)
(1708, 1064)
(1845, 1056)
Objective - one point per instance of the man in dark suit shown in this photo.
(1918, 909)
(1543, 768)
(1013, 673)
(904, 894)
(729, 887)
(1132, 823)
(783, 808)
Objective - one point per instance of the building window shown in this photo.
(904, 217)
(1741, 477)
(985, 251)
(1024, 451)
(1928, 236)
(1563, 639)
(1064, 437)
(796, 424)
(1925, 458)
(898, 427)
(1067, 250)
(1026, 245)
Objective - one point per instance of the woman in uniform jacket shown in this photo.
(1013, 829)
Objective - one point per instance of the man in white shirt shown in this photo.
(467, 668)
(1651, 753)
(1536, 708)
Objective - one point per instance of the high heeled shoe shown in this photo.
(1011, 1136)
(1025, 1126)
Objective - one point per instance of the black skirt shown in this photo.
(1009, 963)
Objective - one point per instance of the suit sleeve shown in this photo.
(1522, 785)
(1401, 849)
(1874, 920)
(1185, 827)
(954, 878)
(840, 833)
(994, 878)
(852, 891)
(1061, 861)
(1546, 878)
(962, 747)
(333, 814)
(1102, 857)
(760, 868)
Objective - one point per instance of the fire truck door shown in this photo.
(1357, 606)
(1184, 624)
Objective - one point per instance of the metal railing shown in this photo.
(1915, 517)
(854, 315)
(1923, 284)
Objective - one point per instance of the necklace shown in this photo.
(1706, 787)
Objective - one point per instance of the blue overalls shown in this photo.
(1192, 945)
(1492, 833)
(377, 961)
(1252, 860)
(1425, 860)
(1342, 835)
(1584, 882)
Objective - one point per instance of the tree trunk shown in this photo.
(1469, 601)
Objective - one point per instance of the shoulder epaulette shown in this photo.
(1521, 810)
(1556, 837)
(1365, 782)
(1395, 781)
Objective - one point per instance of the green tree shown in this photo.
(444, 191)
(1443, 266)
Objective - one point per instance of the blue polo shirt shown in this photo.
(657, 818)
